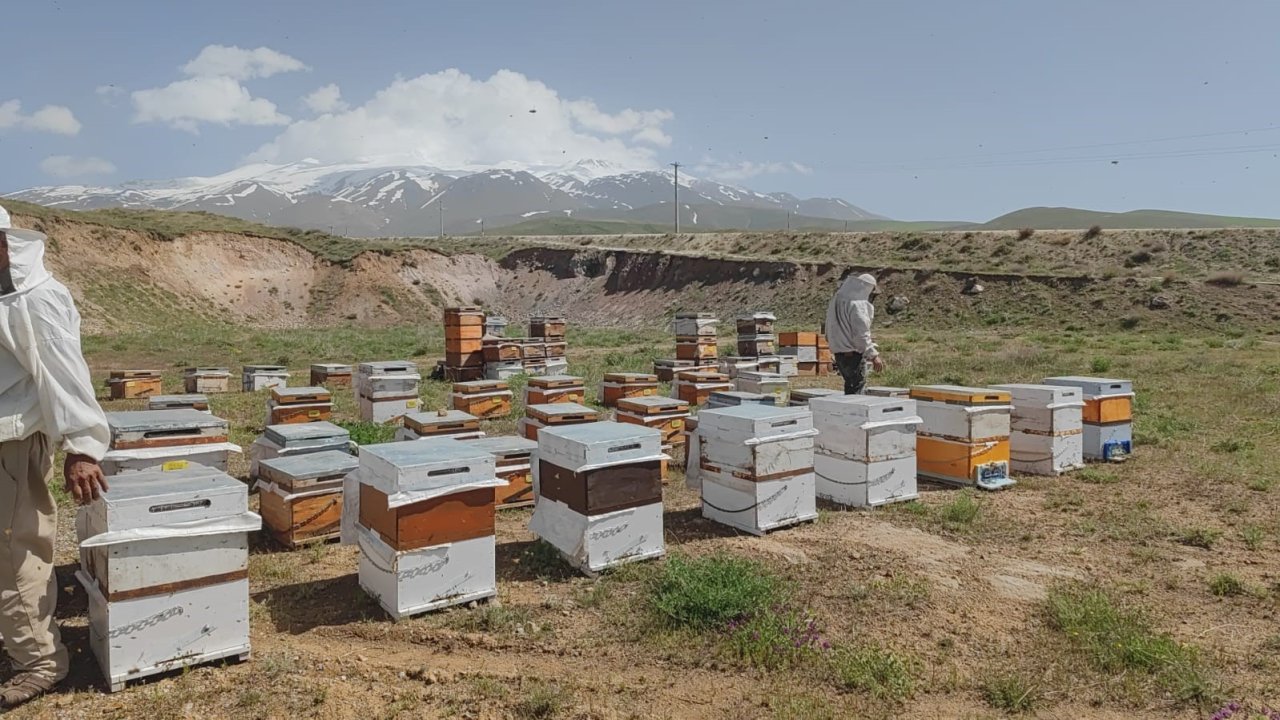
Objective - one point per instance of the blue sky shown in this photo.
(917, 110)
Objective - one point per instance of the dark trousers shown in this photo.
(854, 371)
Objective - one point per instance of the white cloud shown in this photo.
(241, 64)
(214, 93)
(66, 166)
(327, 99)
(54, 119)
(745, 169)
(451, 120)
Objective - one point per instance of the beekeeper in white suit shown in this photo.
(849, 318)
(47, 403)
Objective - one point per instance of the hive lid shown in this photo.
(194, 495)
(959, 394)
(550, 382)
(552, 410)
(503, 445)
(480, 386)
(160, 420)
(887, 391)
(731, 398)
(758, 316)
(289, 435)
(294, 395)
(332, 368)
(630, 377)
(429, 465)
(163, 402)
(599, 444)
(200, 370)
(650, 404)
(1049, 395)
(755, 421)
(264, 368)
(387, 367)
(309, 466)
(862, 408)
(811, 393)
(1094, 386)
(760, 376)
(134, 374)
(443, 417)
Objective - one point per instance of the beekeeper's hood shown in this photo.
(857, 287)
(25, 251)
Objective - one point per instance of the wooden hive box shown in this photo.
(760, 323)
(798, 339)
(485, 399)
(666, 415)
(300, 496)
(557, 348)
(206, 380)
(551, 389)
(555, 415)
(617, 386)
(547, 327)
(331, 375)
(464, 358)
(456, 374)
(466, 316)
(443, 422)
(513, 457)
(495, 350)
(697, 348)
(757, 345)
(533, 349)
(165, 428)
(132, 384)
(193, 401)
(690, 324)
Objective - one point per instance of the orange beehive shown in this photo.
(486, 399)
(617, 386)
(798, 339)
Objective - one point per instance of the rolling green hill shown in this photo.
(1062, 218)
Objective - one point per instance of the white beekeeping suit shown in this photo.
(849, 317)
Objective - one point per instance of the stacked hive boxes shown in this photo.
(865, 453)
(425, 524)
(513, 457)
(666, 415)
(756, 466)
(696, 386)
(442, 423)
(463, 344)
(1108, 415)
(696, 346)
(162, 596)
(387, 390)
(886, 391)
(300, 496)
(1046, 433)
(599, 493)
(293, 440)
(619, 385)
(550, 333)
(503, 358)
(802, 396)
(263, 377)
(495, 326)
(774, 385)
(735, 364)
(533, 354)
(206, 380)
(964, 435)
(290, 406)
(331, 375)
(554, 415)
(486, 399)
(551, 389)
(755, 335)
(178, 402)
(808, 350)
(131, 384)
(166, 440)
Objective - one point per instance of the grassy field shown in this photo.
(1143, 590)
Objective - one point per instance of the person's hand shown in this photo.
(877, 363)
(84, 478)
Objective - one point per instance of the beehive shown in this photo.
(288, 406)
(497, 350)
(557, 349)
(486, 399)
(964, 435)
(756, 466)
(733, 398)
(599, 489)
(331, 375)
(665, 369)
(885, 391)
(865, 452)
(763, 383)
(801, 396)
(504, 370)
(463, 344)
(695, 387)
(688, 324)
(760, 323)
(453, 423)
(698, 348)
(692, 455)
(556, 366)
(300, 496)
(788, 367)
(533, 349)
(555, 389)
(132, 384)
(536, 368)
(293, 440)
(207, 380)
(1047, 435)
(263, 377)
(735, 364)
(386, 390)
(554, 415)
(163, 598)
(666, 415)
(495, 326)
(1107, 415)
(770, 364)
(617, 386)
(179, 402)
(425, 524)
(166, 439)
(757, 345)
(514, 464)
(547, 327)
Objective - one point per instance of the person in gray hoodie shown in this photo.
(848, 328)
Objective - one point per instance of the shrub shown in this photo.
(1100, 364)
(1025, 233)
(541, 702)
(1199, 537)
(1011, 693)
(1226, 585)
(873, 670)
(710, 592)
(960, 512)
(1093, 232)
(1142, 257)
(367, 433)
(1130, 322)
(1226, 278)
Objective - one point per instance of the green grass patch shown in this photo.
(1253, 537)
(1226, 585)
(1199, 537)
(368, 433)
(1011, 693)
(873, 670)
(542, 701)
(707, 593)
(961, 513)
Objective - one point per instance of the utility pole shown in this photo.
(481, 227)
(846, 226)
(788, 219)
(441, 221)
(675, 184)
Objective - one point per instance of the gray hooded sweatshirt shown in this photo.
(849, 317)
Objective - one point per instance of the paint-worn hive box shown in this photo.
(1047, 435)
(555, 389)
(886, 391)
(538, 368)
(617, 386)
(666, 369)
(289, 406)
(755, 466)
(801, 339)
(696, 387)
(499, 350)
(387, 373)
(300, 497)
(760, 323)
(666, 415)
(735, 364)
(464, 374)
(547, 327)
(513, 457)
(697, 347)
(599, 489)
(802, 354)
(463, 324)
(169, 599)
(557, 349)
(964, 435)
(191, 401)
(132, 384)
(157, 439)
(555, 415)
(1107, 415)
(495, 326)
(757, 345)
(695, 324)
(441, 423)
(331, 375)
(788, 366)
(207, 380)
(486, 399)
(865, 453)
(293, 440)
(504, 370)
(800, 397)
(263, 377)
(734, 398)
(533, 349)
(769, 364)
(763, 383)
(426, 524)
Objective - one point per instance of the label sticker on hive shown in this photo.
(992, 476)
(174, 465)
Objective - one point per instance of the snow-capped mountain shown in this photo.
(369, 199)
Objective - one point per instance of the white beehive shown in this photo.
(1107, 415)
(866, 449)
(190, 401)
(788, 366)
(165, 562)
(764, 383)
(504, 370)
(166, 439)
(1047, 435)
(297, 439)
(694, 324)
(734, 398)
(800, 397)
(263, 377)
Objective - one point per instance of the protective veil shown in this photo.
(849, 317)
(45, 385)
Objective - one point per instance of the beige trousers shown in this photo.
(28, 590)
